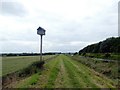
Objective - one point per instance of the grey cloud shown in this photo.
(61, 32)
(12, 8)
(19, 46)
(66, 46)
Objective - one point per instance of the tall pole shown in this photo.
(41, 32)
(41, 48)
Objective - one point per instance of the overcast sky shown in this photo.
(70, 24)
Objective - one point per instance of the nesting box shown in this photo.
(40, 31)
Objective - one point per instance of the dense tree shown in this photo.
(110, 45)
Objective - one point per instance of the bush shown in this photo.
(75, 53)
(107, 55)
(83, 54)
(91, 56)
(33, 68)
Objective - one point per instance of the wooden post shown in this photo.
(41, 48)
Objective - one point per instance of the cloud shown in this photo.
(70, 24)
(18, 46)
(12, 8)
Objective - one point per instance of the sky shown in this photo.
(70, 24)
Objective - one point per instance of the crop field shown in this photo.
(64, 72)
(12, 64)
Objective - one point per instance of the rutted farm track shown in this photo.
(63, 72)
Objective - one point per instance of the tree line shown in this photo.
(29, 54)
(110, 45)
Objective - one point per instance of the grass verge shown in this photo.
(13, 77)
(53, 75)
(109, 69)
(30, 81)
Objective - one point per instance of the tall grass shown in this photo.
(109, 69)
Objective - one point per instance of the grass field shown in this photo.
(64, 72)
(12, 64)
(110, 69)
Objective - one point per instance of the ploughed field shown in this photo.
(61, 72)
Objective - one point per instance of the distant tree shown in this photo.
(75, 53)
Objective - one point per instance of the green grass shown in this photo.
(64, 72)
(28, 82)
(80, 75)
(12, 64)
(72, 74)
(53, 75)
(90, 76)
(109, 69)
(31, 81)
(113, 56)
